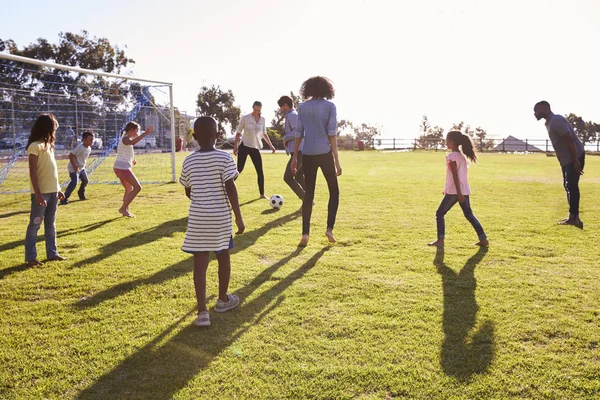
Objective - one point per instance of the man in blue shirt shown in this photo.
(295, 182)
(571, 156)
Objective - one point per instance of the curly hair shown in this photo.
(317, 87)
(44, 130)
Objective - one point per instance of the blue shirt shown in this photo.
(317, 120)
(291, 120)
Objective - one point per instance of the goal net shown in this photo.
(83, 100)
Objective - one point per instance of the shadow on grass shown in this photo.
(250, 201)
(42, 239)
(12, 270)
(176, 270)
(13, 213)
(160, 372)
(464, 353)
(137, 239)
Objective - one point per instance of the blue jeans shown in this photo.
(571, 184)
(447, 203)
(82, 175)
(48, 216)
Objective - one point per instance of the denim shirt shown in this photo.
(317, 120)
(291, 120)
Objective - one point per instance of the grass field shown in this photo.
(376, 315)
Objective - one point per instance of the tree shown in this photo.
(366, 133)
(586, 131)
(214, 102)
(430, 138)
(97, 96)
(480, 142)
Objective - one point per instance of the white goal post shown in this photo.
(36, 100)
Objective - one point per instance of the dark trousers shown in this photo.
(310, 165)
(73, 184)
(571, 184)
(243, 153)
(447, 203)
(295, 182)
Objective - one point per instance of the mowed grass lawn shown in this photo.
(376, 315)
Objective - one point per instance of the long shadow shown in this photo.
(11, 270)
(464, 352)
(160, 372)
(250, 201)
(13, 213)
(135, 240)
(59, 234)
(181, 268)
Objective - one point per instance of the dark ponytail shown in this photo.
(465, 142)
(467, 148)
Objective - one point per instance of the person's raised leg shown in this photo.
(310, 176)
(35, 221)
(468, 213)
(328, 169)
(200, 267)
(128, 189)
(292, 181)
(447, 203)
(260, 176)
(300, 172)
(136, 189)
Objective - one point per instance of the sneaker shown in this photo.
(572, 221)
(203, 319)
(233, 302)
(64, 202)
(82, 197)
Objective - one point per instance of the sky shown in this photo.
(391, 62)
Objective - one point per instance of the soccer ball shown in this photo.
(276, 201)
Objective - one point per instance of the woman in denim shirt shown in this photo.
(317, 124)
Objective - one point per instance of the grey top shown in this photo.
(558, 127)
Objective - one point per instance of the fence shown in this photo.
(506, 145)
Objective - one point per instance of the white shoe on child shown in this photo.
(233, 302)
(203, 319)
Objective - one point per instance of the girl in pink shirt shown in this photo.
(457, 186)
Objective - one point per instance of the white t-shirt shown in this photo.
(209, 222)
(125, 155)
(253, 131)
(462, 166)
(81, 154)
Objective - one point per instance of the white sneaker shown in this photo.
(233, 302)
(203, 319)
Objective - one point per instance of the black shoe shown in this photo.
(64, 202)
(82, 197)
(572, 221)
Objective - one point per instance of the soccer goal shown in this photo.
(83, 100)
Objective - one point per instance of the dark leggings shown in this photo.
(571, 184)
(243, 153)
(310, 165)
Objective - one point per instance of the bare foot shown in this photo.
(437, 243)
(262, 196)
(57, 258)
(34, 263)
(126, 213)
(303, 241)
(483, 243)
(330, 237)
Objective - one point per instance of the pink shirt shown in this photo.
(462, 165)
